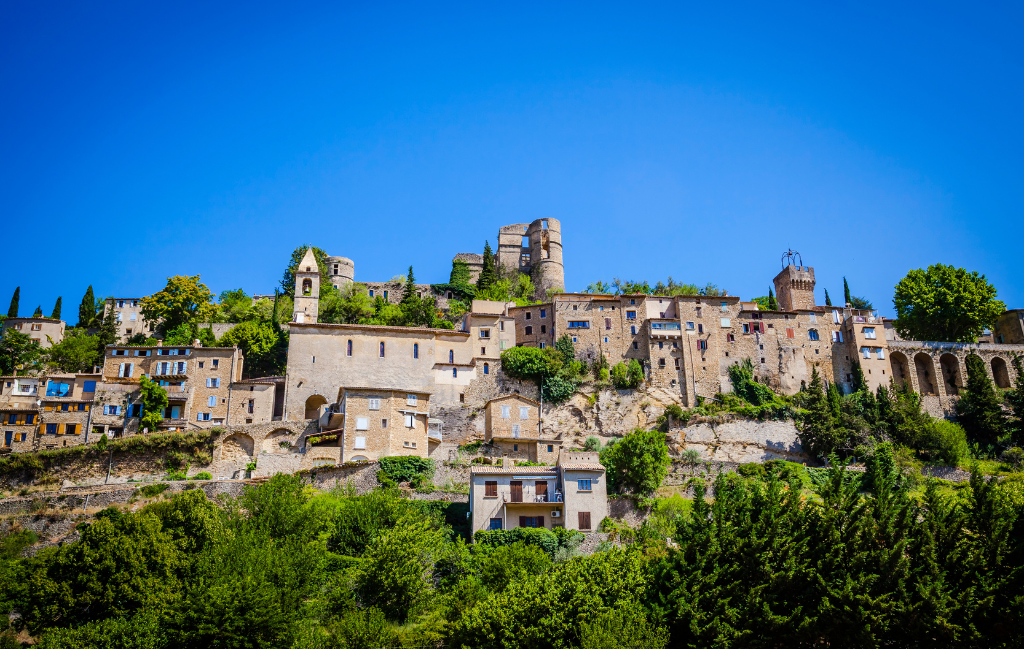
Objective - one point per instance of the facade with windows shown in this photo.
(572, 494)
(45, 332)
(512, 427)
(128, 314)
(371, 423)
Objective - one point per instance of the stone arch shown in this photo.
(237, 448)
(900, 368)
(952, 379)
(313, 406)
(1000, 374)
(307, 286)
(359, 458)
(272, 442)
(925, 367)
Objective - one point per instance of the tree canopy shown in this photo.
(946, 304)
(185, 300)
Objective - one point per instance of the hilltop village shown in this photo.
(354, 393)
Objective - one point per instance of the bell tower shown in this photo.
(794, 286)
(307, 289)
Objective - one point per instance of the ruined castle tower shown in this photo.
(794, 286)
(307, 289)
(341, 271)
(536, 250)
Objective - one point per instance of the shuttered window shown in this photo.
(584, 520)
(491, 489)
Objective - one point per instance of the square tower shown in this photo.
(307, 289)
(794, 288)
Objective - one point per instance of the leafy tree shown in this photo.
(557, 389)
(12, 311)
(17, 349)
(637, 463)
(87, 309)
(979, 409)
(56, 310)
(528, 363)
(598, 288)
(741, 375)
(38, 313)
(288, 279)
(77, 352)
(818, 432)
(141, 631)
(1015, 399)
(154, 402)
(946, 304)
(565, 347)
(502, 565)
(184, 301)
(768, 302)
(235, 306)
(460, 273)
(349, 304)
(628, 627)
(627, 376)
(263, 346)
(488, 274)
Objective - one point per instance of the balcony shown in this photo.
(527, 499)
(525, 433)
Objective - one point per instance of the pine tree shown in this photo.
(108, 333)
(828, 300)
(38, 313)
(1015, 399)
(773, 304)
(818, 434)
(12, 312)
(410, 294)
(488, 275)
(56, 310)
(87, 309)
(846, 292)
(979, 410)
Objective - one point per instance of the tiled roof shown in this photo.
(582, 466)
(517, 470)
(378, 328)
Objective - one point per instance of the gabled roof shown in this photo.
(513, 396)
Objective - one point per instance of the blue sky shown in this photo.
(691, 140)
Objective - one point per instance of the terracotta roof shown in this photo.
(518, 470)
(582, 466)
(379, 328)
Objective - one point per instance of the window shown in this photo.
(524, 412)
(635, 345)
(790, 333)
(529, 330)
(111, 410)
(661, 363)
(528, 315)
(812, 334)
(584, 520)
(411, 399)
(383, 423)
(203, 416)
(574, 307)
(360, 442)
(583, 485)
(690, 326)
(211, 402)
(632, 301)
(213, 383)
(451, 355)
(726, 322)
(371, 292)
(607, 323)
(491, 491)
(455, 372)
(348, 348)
(515, 433)
(835, 317)
(56, 389)
(216, 362)
(813, 318)
(606, 338)
(362, 423)
(71, 429)
(677, 363)
(869, 333)
(201, 364)
(632, 329)
(551, 448)
(731, 337)
(51, 429)
(252, 405)
(543, 313)
(866, 351)
(506, 412)
(725, 306)
(879, 353)
(382, 350)
(702, 345)
(495, 524)
(410, 421)
(531, 521)
(487, 368)
(385, 295)
(579, 324)
(630, 315)
(542, 345)
(373, 403)
(661, 345)
(698, 312)
(574, 339)
(837, 336)
(132, 317)
(485, 333)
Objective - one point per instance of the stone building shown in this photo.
(44, 331)
(512, 425)
(376, 423)
(128, 313)
(572, 494)
(534, 249)
(1009, 328)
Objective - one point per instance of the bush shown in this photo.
(637, 463)
(151, 490)
(946, 440)
(202, 475)
(527, 363)
(751, 470)
(503, 564)
(558, 543)
(557, 389)
(593, 444)
(406, 468)
(627, 376)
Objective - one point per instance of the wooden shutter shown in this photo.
(607, 323)
(542, 490)
(517, 491)
(491, 489)
(540, 521)
(584, 520)
(522, 521)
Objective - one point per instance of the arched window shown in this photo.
(348, 348)
(812, 334)
(382, 350)
(455, 372)
(487, 368)
(451, 355)
(307, 286)
(415, 350)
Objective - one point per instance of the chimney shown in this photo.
(196, 343)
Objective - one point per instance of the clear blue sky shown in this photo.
(693, 140)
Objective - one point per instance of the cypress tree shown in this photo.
(818, 434)
(56, 310)
(846, 292)
(107, 334)
(487, 273)
(410, 289)
(38, 313)
(828, 300)
(1015, 399)
(979, 410)
(858, 378)
(87, 309)
(773, 304)
(12, 312)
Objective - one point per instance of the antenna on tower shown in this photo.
(792, 255)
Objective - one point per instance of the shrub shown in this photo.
(151, 490)
(751, 470)
(627, 375)
(406, 468)
(946, 440)
(1014, 457)
(690, 456)
(558, 542)
(592, 444)
(637, 463)
(557, 389)
(202, 475)
(503, 564)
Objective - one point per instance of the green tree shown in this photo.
(500, 566)
(349, 304)
(410, 296)
(56, 310)
(846, 292)
(261, 344)
(598, 288)
(17, 350)
(154, 402)
(183, 301)
(565, 347)
(637, 463)
(38, 313)
(87, 309)
(979, 409)
(828, 300)
(235, 306)
(946, 304)
(77, 352)
(460, 273)
(12, 311)
(288, 280)
(627, 376)
(818, 433)
(1015, 399)
(488, 274)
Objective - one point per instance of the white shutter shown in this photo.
(362, 423)
(360, 443)
(409, 421)
(120, 370)
(524, 412)
(131, 369)
(506, 412)
(881, 353)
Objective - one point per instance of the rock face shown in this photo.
(740, 441)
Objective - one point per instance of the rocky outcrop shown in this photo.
(740, 441)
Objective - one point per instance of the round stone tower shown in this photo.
(545, 237)
(341, 271)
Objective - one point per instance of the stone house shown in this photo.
(572, 494)
(128, 313)
(44, 331)
(512, 425)
(376, 423)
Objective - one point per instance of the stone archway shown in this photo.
(1000, 373)
(272, 442)
(925, 367)
(313, 406)
(900, 369)
(237, 448)
(952, 379)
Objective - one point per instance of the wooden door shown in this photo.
(542, 492)
(517, 491)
